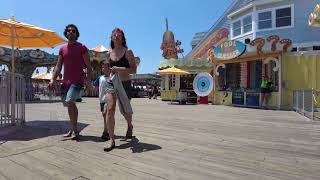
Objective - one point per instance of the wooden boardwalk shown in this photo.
(172, 142)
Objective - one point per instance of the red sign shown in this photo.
(212, 41)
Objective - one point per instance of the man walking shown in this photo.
(74, 57)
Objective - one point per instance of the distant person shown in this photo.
(74, 56)
(265, 91)
(155, 92)
(225, 92)
(149, 91)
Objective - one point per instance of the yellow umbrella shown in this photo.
(173, 70)
(22, 35)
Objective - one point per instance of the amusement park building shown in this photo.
(278, 42)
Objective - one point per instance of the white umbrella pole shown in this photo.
(13, 83)
(12, 59)
(12, 49)
(171, 87)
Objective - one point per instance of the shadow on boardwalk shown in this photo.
(138, 147)
(36, 130)
(134, 144)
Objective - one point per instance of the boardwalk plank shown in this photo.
(172, 142)
(13, 170)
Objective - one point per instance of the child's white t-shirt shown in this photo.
(105, 86)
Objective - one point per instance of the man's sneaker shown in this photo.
(69, 134)
(75, 136)
(111, 145)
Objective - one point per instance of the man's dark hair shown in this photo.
(124, 43)
(73, 26)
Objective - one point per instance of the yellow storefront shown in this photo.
(239, 69)
(300, 71)
(290, 71)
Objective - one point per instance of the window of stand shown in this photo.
(276, 18)
(241, 27)
(172, 82)
(267, 19)
(283, 17)
(230, 77)
(186, 81)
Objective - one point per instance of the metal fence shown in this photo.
(41, 93)
(305, 101)
(12, 98)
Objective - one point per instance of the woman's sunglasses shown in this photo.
(72, 30)
(116, 34)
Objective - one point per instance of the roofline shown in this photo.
(244, 8)
(252, 4)
(209, 32)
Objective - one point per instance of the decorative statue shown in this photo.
(169, 47)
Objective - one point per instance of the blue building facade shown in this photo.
(248, 20)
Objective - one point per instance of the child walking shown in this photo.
(105, 85)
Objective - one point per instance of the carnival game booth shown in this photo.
(197, 61)
(239, 68)
(179, 87)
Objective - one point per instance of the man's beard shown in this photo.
(72, 37)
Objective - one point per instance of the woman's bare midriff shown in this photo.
(124, 76)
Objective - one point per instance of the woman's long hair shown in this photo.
(124, 42)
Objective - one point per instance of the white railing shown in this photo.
(304, 102)
(41, 93)
(12, 98)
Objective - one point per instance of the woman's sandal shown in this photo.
(110, 146)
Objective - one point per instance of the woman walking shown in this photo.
(121, 61)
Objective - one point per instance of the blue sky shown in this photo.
(142, 20)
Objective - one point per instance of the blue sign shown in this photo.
(229, 50)
(238, 98)
(203, 84)
(253, 99)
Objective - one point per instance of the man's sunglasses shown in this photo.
(72, 30)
